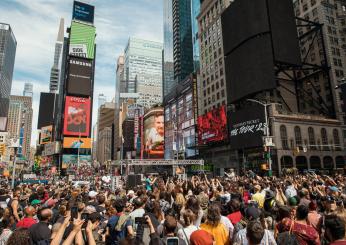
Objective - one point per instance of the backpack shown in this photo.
(117, 232)
(287, 238)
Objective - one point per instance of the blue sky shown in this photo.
(35, 25)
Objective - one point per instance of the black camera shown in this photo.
(140, 220)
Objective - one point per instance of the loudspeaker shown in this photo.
(133, 180)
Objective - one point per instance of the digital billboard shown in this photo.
(154, 131)
(83, 12)
(82, 40)
(247, 127)
(75, 143)
(72, 160)
(46, 109)
(3, 123)
(79, 76)
(212, 126)
(77, 116)
(46, 134)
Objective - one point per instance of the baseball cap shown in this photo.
(35, 202)
(201, 237)
(333, 188)
(92, 194)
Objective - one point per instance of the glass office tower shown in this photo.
(195, 10)
(143, 64)
(8, 45)
(168, 68)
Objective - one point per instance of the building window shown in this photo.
(283, 135)
(336, 140)
(324, 137)
(312, 141)
(298, 137)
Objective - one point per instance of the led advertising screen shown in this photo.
(75, 143)
(72, 160)
(82, 40)
(247, 127)
(212, 127)
(154, 132)
(83, 12)
(46, 109)
(46, 134)
(77, 116)
(79, 76)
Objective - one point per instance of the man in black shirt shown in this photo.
(40, 233)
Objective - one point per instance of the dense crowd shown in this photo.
(301, 209)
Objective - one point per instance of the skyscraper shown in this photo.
(182, 39)
(101, 100)
(167, 67)
(28, 90)
(143, 63)
(55, 73)
(20, 122)
(195, 10)
(212, 85)
(8, 45)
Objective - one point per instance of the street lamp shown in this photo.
(15, 145)
(267, 133)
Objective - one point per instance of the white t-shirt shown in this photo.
(188, 231)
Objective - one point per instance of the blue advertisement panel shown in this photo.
(69, 161)
(83, 12)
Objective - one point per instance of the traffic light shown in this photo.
(2, 149)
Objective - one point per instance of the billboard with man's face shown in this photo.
(154, 131)
(77, 116)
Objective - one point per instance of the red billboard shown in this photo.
(212, 127)
(77, 116)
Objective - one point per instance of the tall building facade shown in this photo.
(104, 132)
(332, 14)
(8, 45)
(119, 88)
(55, 73)
(20, 122)
(28, 90)
(182, 39)
(143, 64)
(212, 84)
(168, 65)
(195, 11)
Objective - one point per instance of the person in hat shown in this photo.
(92, 198)
(270, 201)
(201, 237)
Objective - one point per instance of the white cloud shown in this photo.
(35, 24)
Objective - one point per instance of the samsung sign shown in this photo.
(83, 12)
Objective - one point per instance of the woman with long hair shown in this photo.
(214, 226)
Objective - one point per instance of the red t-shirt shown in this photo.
(234, 217)
(343, 242)
(26, 222)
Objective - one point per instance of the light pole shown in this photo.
(267, 133)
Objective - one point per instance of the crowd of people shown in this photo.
(301, 209)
